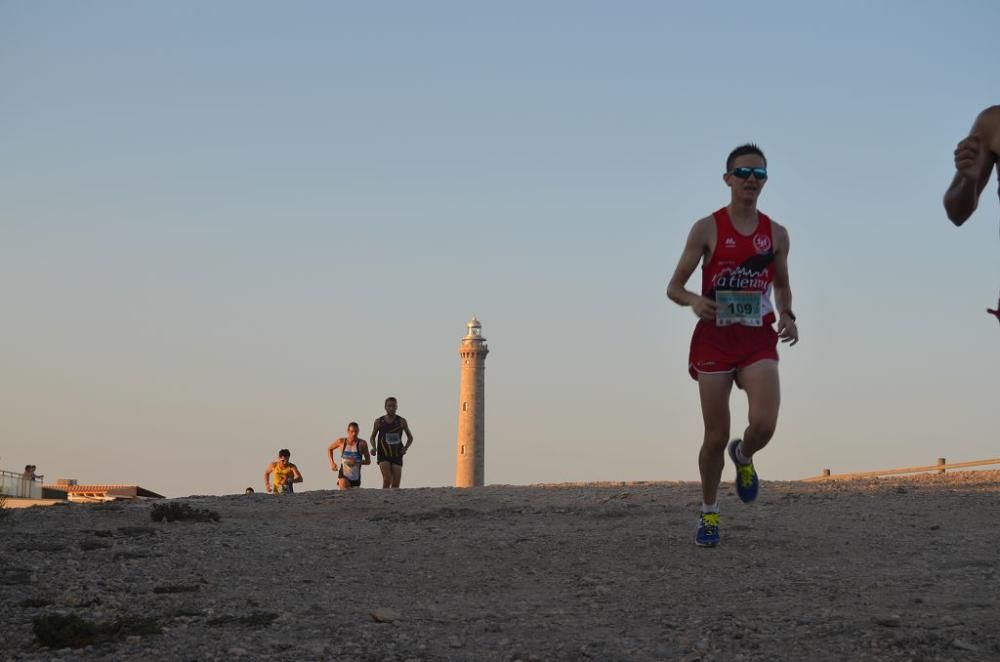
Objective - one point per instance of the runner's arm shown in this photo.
(974, 159)
(409, 435)
(787, 329)
(366, 457)
(333, 446)
(694, 250)
(374, 435)
(267, 477)
(296, 474)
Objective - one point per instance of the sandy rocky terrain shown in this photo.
(905, 569)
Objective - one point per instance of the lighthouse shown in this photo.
(470, 467)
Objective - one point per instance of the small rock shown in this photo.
(385, 615)
(961, 644)
(68, 599)
(935, 527)
(889, 620)
(900, 490)
(238, 652)
(455, 642)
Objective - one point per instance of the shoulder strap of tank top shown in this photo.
(765, 222)
(722, 221)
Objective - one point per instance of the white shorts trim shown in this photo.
(714, 372)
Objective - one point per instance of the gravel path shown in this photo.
(905, 569)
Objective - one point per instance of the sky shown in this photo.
(232, 227)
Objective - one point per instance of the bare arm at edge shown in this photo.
(974, 160)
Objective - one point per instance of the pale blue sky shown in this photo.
(231, 227)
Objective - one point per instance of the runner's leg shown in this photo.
(714, 389)
(760, 381)
(397, 474)
(386, 468)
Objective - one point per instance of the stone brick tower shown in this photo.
(470, 467)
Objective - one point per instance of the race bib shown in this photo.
(393, 438)
(738, 308)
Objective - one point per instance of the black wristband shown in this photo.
(790, 314)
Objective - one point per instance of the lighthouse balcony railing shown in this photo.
(14, 484)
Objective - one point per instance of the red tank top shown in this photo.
(740, 263)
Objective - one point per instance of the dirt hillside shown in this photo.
(904, 568)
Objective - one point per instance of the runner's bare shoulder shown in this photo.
(780, 234)
(702, 235)
(987, 127)
(990, 116)
(704, 229)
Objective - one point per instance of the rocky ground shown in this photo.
(906, 569)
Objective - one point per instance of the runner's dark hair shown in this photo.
(743, 150)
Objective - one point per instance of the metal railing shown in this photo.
(940, 467)
(15, 484)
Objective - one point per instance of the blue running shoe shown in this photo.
(708, 530)
(746, 476)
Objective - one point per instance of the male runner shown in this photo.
(975, 157)
(353, 454)
(387, 434)
(285, 474)
(744, 256)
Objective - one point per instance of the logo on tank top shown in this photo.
(730, 242)
(742, 278)
(762, 243)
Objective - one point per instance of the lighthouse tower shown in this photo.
(470, 467)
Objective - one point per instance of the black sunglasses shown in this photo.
(744, 173)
